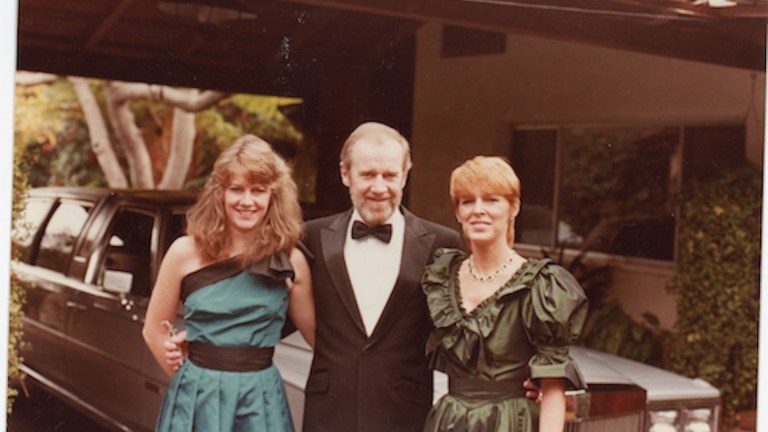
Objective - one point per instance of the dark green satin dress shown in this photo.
(522, 330)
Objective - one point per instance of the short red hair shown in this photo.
(486, 175)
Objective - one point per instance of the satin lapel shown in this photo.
(417, 247)
(332, 241)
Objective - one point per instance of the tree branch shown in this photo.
(185, 98)
(124, 124)
(26, 79)
(182, 142)
(97, 130)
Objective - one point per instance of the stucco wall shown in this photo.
(467, 106)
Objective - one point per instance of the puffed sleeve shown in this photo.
(553, 315)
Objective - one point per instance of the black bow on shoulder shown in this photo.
(381, 232)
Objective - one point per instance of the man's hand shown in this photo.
(531, 391)
(176, 349)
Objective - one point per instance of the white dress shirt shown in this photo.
(373, 267)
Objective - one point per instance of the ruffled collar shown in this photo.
(276, 266)
(455, 329)
(441, 286)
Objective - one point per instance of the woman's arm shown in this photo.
(164, 301)
(552, 416)
(301, 307)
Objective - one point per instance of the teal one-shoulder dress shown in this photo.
(230, 313)
(523, 330)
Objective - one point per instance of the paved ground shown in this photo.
(42, 412)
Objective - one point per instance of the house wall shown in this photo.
(467, 106)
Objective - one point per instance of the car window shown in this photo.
(176, 227)
(128, 258)
(61, 233)
(32, 216)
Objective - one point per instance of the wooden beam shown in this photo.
(660, 33)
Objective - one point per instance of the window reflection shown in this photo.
(60, 235)
(615, 186)
(611, 189)
(33, 215)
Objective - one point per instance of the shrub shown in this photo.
(21, 160)
(717, 284)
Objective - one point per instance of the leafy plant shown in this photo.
(717, 281)
(610, 329)
(21, 160)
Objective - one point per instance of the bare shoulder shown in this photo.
(298, 260)
(183, 255)
(183, 247)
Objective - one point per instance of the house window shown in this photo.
(612, 189)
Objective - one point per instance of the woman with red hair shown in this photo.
(499, 317)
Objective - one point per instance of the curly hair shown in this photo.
(282, 226)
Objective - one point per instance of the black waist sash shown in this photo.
(485, 390)
(230, 358)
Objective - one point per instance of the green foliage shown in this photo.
(42, 110)
(717, 281)
(610, 329)
(49, 122)
(21, 161)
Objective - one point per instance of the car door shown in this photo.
(107, 362)
(155, 380)
(46, 255)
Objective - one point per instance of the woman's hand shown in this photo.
(532, 391)
(176, 349)
(180, 260)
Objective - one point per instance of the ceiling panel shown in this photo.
(276, 45)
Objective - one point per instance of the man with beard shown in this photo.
(369, 371)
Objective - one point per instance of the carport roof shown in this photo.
(274, 46)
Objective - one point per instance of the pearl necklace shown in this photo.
(487, 278)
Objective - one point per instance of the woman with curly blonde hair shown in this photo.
(238, 273)
(282, 227)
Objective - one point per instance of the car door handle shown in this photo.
(101, 306)
(76, 305)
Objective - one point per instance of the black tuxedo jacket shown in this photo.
(381, 382)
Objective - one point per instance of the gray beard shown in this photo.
(374, 219)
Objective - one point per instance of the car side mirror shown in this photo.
(118, 282)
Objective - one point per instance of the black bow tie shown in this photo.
(381, 232)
